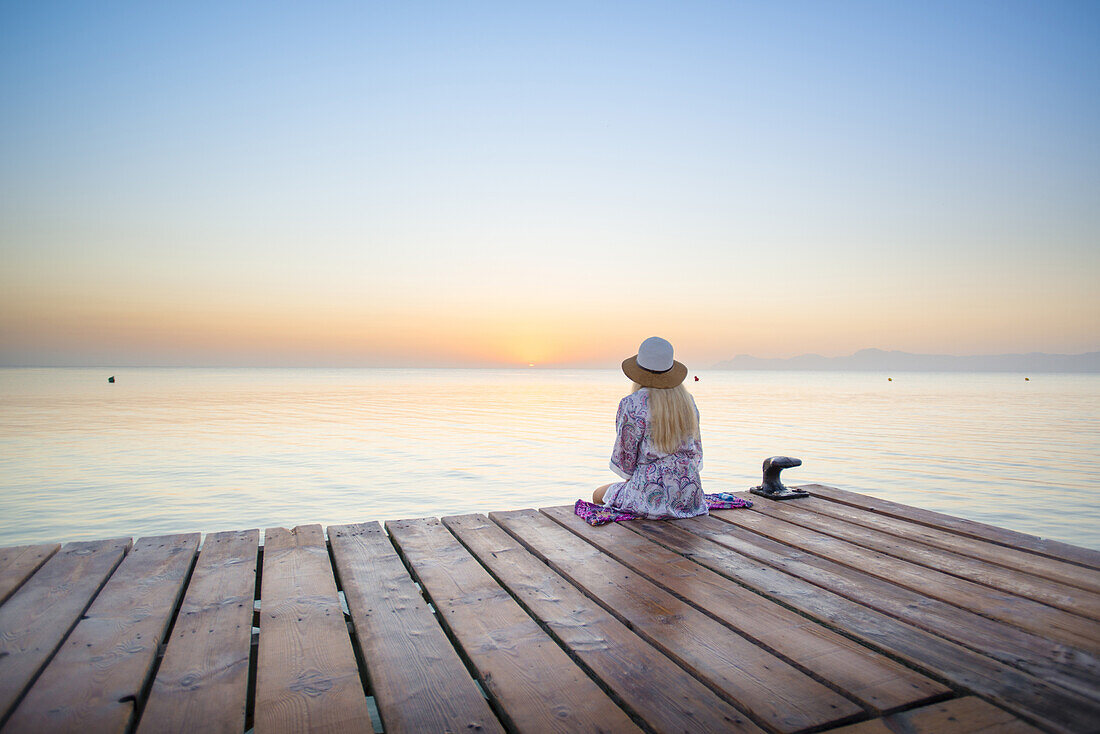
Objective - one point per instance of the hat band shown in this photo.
(658, 372)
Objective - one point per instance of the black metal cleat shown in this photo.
(771, 487)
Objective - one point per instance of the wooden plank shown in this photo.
(1068, 598)
(1037, 565)
(774, 692)
(19, 562)
(877, 682)
(1003, 536)
(1058, 663)
(307, 678)
(417, 679)
(202, 682)
(535, 686)
(968, 715)
(38, 617)
(650, 685)
(1038, 618)
(1061, 664)
(95, 680)
(1028, 696)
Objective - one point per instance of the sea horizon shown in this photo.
(524, 368)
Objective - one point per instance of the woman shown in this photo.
(657, 447)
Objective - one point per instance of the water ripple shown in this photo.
(170, 450)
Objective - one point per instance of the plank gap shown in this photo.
(580, 663)
(968, 569)
(1027, 615)
(1012, 558)
(498, 710)
(953, 661)
(375, 717)
(996, 640)
(1034, 544)
(703, 680)
(147, 684)
(793, 662)
(659, 581)
(254, 644)
(356, 647)
(83, 615)
(934, 675)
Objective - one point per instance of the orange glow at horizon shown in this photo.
(591, 335)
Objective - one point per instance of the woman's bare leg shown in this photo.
(597, 496)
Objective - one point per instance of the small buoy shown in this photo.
(697, 378)
(1027, 379)
(889, 379)
(111, 378)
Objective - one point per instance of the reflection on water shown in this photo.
(172, 450)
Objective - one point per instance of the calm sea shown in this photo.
(173, 450)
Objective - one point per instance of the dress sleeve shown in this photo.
(628, 437)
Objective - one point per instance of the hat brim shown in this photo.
(669, 378)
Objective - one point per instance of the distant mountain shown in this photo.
(878, 360)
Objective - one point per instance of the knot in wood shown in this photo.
(313, 683)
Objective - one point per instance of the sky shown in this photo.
(499, 184)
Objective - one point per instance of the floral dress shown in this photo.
(657, 485)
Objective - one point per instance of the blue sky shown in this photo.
(497, 183)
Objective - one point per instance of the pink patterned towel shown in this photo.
(600, 515)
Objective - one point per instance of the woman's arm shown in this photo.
(628, 436)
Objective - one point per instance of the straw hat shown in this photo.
(653, 365)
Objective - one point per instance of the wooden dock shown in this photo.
(838, 612)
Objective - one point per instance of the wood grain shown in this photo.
(535, 686)
(1032, 563)
(94, 681)
(202, 683)
(1015, 581)
(417, 679)
(1011, 538)
(796, 617)
(19, 562)
(756, 681)
(37, 618)
(1058, 663)
(873, 679)
(307, 678)
(729, 552)
(968, 715)
(1032, 616)
(651, 685)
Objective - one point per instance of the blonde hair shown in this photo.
(672, 418)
